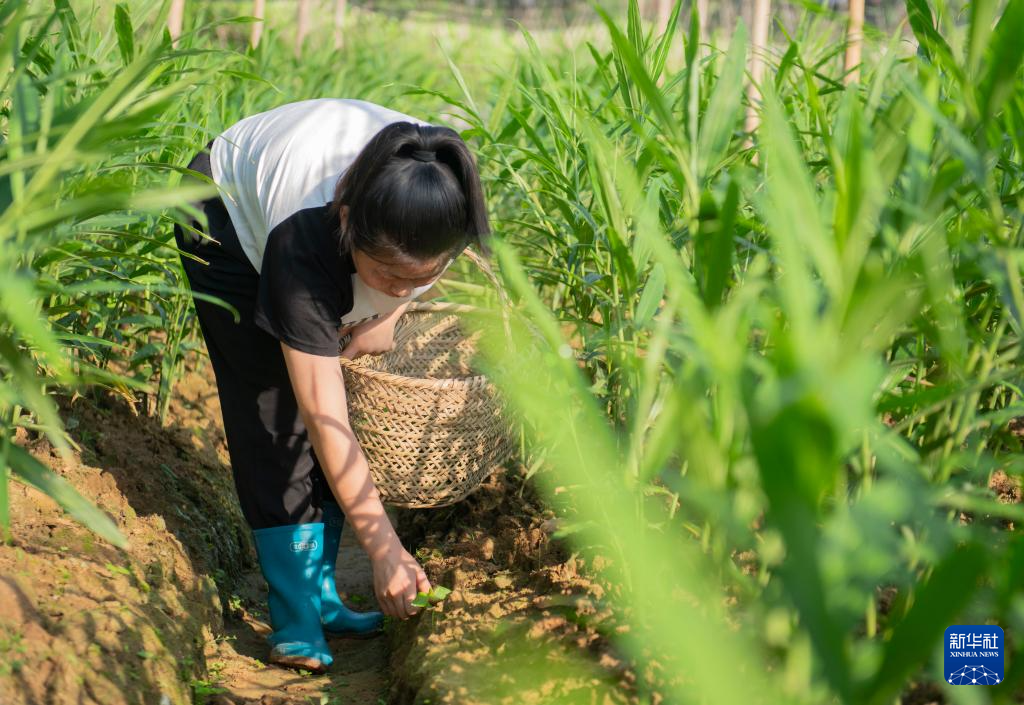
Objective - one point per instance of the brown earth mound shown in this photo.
(82, 621)
(180, 617)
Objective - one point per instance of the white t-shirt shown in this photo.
(280, 168)
(275, 163)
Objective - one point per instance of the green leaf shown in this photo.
(665, 43)
(720, 118)
(125, 33)
(802, 244)
(716, 247)
(934, 47)
(635, 27)
(983, 12)
(651, 297)
(797, 450)
(438, 593)
(117, 569)
(950, 589)
(1007, 54)
(547, 388)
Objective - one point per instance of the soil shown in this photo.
(236, 656)
(179, 617)
(82, 621)
(524, 622)
(359, 673)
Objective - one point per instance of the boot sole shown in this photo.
(306, 663)
(353, 635)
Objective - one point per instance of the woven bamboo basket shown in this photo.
(431, 427)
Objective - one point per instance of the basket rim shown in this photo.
(471, 383)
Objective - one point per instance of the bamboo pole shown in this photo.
(302, 26)
(339, 22)
(854, 41)
(175, 19)
(258, 11)
(758, 48)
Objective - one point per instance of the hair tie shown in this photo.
(423, 155)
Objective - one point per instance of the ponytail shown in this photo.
(413, 191)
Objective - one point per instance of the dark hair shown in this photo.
(412, 191)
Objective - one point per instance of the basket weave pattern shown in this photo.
(432, 429)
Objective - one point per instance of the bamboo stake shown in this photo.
(174, 20)
(302, 26)
(339, 22)
(854, 41)
(758, 47)
(258, 11)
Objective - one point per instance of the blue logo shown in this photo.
(974, 655)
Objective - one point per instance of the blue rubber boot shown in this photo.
(339, 620)
(291, 558)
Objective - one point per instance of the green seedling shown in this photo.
(203, 688)
(425, 554)
(118, 569)
(436, 594)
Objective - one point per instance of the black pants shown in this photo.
(277, 475)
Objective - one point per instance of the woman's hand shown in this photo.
(397, 577)
(371, 338)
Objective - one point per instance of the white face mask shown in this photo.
(369, 303)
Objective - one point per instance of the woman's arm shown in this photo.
(374, 337)
(320, 393)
